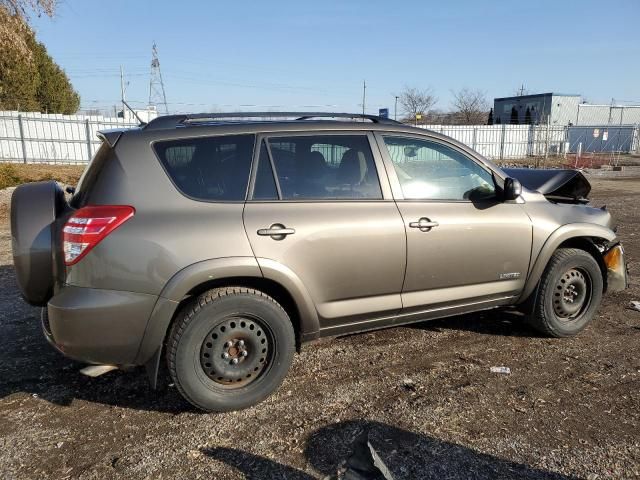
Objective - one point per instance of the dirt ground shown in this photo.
(569, 409)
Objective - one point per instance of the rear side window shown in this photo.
(332, 167)
(212, 168)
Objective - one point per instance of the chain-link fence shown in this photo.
(40, 138)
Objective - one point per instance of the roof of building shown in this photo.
(549, 94)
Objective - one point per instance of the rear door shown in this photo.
(320, 207)
(466, 248)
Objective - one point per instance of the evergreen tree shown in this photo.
(514, 116)
(490, 119)
(18, 71)
(55, 93)
(29, 78)
(527, 116)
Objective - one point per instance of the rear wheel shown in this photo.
(569, 294)
(230, 348)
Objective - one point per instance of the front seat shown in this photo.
(352, 170)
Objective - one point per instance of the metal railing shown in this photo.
(70, 139)
(40, 138)
(503, 142)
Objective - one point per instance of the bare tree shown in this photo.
(22, 8)
(415, 101)
(471, 106)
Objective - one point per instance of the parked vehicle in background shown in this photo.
(222, 246)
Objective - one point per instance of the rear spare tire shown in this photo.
(34, 209)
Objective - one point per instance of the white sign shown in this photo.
(596, 132)
(605, 135)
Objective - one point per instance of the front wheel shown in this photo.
(569, 294)
(230, 348)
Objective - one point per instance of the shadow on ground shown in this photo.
(29, 364)
(366, 450)
(506, 322)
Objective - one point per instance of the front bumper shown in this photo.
(97, 326)
(617, 273)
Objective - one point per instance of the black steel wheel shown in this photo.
(572, 294)
(230, 348)
(236, 351)
(569, 293)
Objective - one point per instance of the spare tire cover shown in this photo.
(34, 208)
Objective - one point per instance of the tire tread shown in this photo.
(539, 319)
(187, 314)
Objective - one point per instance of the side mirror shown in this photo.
(512, 188)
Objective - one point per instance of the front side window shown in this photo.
(212, 168)
(320, 167)
(430, 171)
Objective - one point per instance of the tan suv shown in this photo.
(221, 242)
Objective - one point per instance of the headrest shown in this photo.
(353, 167)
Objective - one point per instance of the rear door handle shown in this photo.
(424, 224)
(277, 231)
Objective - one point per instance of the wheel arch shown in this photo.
(584, 236)
(274, 279)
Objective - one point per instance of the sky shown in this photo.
(315, 55)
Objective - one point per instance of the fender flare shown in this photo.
(559, 236)
(198, 273)
(277, 272)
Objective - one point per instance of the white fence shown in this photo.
(508, 141)
(29, 137)
(40, 138)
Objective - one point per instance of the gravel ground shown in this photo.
(423, 395)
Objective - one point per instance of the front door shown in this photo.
(329, 218)
(465, 247)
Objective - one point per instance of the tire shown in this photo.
(34, 210)
(569, 293)
(212, 333)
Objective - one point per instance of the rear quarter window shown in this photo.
(211, 168)
(90, 175)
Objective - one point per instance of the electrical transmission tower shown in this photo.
(157, 96)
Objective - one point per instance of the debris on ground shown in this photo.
(634, 305)
(502, 370)
(409, 384)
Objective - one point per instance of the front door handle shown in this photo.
(424, 224)
(277, 231)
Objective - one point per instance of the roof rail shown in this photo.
(171, 121)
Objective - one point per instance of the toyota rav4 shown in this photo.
(220, 243)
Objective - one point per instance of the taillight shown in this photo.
(88, 226)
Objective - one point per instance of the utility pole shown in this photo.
(395, 109)
(157, 94)
(364, 95)
(124, 108)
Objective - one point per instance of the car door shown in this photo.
(319, 208)
(466, 248)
